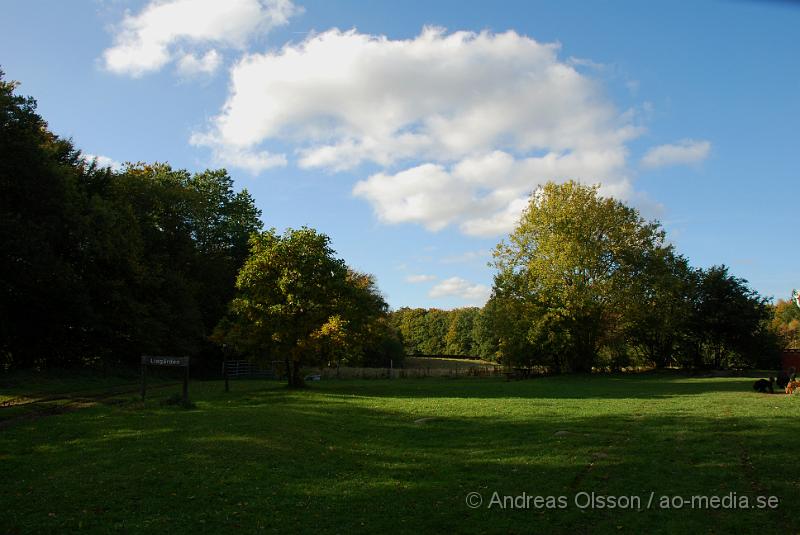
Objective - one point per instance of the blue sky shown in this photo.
(410, 132)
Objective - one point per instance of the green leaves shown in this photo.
(569, 269)
(297, 301)
(101, 265)
(584, 281)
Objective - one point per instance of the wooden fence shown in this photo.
(244, 369)
(347, 372)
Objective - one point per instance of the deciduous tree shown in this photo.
(571, 263)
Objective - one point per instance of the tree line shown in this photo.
(100, 266)
(585, 282)
(457, 332)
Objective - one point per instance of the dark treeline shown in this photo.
(99, 267)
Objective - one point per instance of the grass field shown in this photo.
(403, 456)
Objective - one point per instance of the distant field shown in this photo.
(380, 456)
(434, 362)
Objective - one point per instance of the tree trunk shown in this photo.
(296, 378)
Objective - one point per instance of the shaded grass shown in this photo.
(32, 385)
(401, 456)
(33, 395)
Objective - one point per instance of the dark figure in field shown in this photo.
(784, 378)
(764, 387)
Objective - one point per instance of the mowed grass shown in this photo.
(401, 456)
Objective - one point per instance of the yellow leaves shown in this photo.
(333, 330)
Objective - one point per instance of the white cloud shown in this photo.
(415, 279)
(485, 194)
(189, 31)
(191, 65)
(463, 125)
(461, 288)
(103, 161)
(686, 151)
(253, 161)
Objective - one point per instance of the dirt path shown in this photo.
(48, 406)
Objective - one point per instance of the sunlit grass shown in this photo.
(401, 456)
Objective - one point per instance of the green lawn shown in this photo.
(402, 456)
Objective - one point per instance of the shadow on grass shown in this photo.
(327, 460)
(645, 386)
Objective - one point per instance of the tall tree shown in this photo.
(571, 262)
(44, 309)
(298, 302)
(99, 266)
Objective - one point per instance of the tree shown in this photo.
(45, 230)
(730, 323)
(296, 301)
(658, 322)
(460, 333)
(100, 266)
(786, 322)
(411, 323)
(570, 266)
(370, 339)
(484, 334)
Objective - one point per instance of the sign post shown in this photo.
(181, 362)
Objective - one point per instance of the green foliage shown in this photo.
(786, 323)
(730, 324)
(659, 322)
(460, 338)
(100, 266)
(568, 271)
(584, 282)
(297, 302)
(457, 332)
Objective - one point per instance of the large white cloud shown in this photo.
(485, 194)
(464, 125)
(188, 31)
(686, 151)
